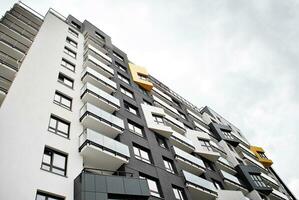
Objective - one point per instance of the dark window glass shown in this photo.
(258, 181)
(168, 165)
(178, 193)
(59, 126)
(137, 129)
(126, 92)
(217, 185)
(206, 144)
(122, 68)
(124, 79)
(65, 80)
(118, 56)
(161, 141)
(62, 100)
(101, 37)
(130, 108)
(153, 185)
(54, 161)
(158, 119)
(69, 52)
(45, 196)
(209, 165)
(71, 42)
(74, 33)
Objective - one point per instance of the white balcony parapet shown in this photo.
(182, 142)
(99, 66)
(166, 106)
(175, 124)
(100, 53)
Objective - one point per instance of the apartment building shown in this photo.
(80, 121)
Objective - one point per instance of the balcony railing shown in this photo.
(98, 66)
(96, 96)
(182, 142)
(100, 120)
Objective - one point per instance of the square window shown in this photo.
(66, 80)
(62, 100)
(54, 161)
(59, 126)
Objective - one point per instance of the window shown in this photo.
(118, 56)
(74, 24)
(122, 68)
(153, 186)
(65, 80)
(142, 77)
(74, 33)
(135, 128)
(71, 42)
(161, 141)
(124, 79)
(45, 196)
(70, 52)
(205, 144)
(67, 64)
(227, 135)
(168, 165)
(158, 119)
(101, 37)
(240, 161)
(126, 92)
(257, 180)
(142, 154)
(147, 103)
(182, 115)
(262, 155)
(59, 126)
(176, 103)
(62, 100)
(178, 193)
(130, 108)
(209, 165)
(217, 185)
(230, 147)
(54, 161)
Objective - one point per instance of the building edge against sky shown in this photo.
(79, 120)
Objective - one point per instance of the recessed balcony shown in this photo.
(98, 185)
(174, 124)
(98, 80)
(99, 120)
(277, 195)
(182, 142)
(99, 98)
(199, 187)
(224, 165)
(100, 151)
(232, 183)
(188, 162)
(98, 66)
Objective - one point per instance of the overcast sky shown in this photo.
(239, 57)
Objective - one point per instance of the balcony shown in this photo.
(224, 165)
(182, 142)
(11, 19)
(3, 93)
(231, 182)
(98, 80)
(277, 195)
(188, 162)
(98, 66)
(200, 187)
(168, 109)
(96, 185)
(162, 95)
(11, 47)
(98, 54)
(231, 195)
(174, 124)
(99, 98)
(251, 161)
(29, 13)
(25, 19)
(100, 151)
(241, 149)
(9, 61)
(15, 35)
(5, 83)
(271, 181)
(260, 154)
(99, 120)
(8, 71)
(159, 128)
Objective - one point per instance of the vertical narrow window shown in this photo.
(67, 64)
(71, 42)
(168, 165)
(161, 141)
(45, 196)
(59, 126)
(69, 52)
(74, 33)
(178, 193)
(54, 161)
(66, 80)
(63, 100)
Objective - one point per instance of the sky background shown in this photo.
(239, 57)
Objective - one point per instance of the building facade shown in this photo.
(80, 121)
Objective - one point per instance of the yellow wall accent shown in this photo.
(135, 70)
(265, 161)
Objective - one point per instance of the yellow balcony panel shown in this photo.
(140, 76)
(260, 154)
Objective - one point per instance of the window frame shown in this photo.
(126, 91)
(72, 42)
(47, 196)
(123, 78)
(131, 108)
(133, 126)
(68, 63)
(121, 67)
(73, 32)
(150, 181)
(161, 141)
(118, 56)
(70, 52)
(56, 130)
(65, 77)
(156, 119)
(180, 193)
(169, 166)
(140, 157)
(51, 164)
(205, 144)
(63, 97)
(257, 180)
